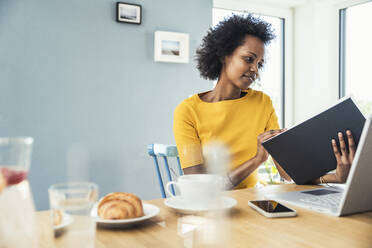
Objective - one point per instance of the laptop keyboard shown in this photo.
(327, 201)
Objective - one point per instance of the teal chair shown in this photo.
(165, 151)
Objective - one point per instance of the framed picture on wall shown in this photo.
(171, 47)
(128, 12)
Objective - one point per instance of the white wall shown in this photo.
(316, 55)
(315, 58)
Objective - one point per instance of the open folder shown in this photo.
(305, 151)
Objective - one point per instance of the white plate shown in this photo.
(60, 229)
(66, 220)
(148, 209)
(177, 203)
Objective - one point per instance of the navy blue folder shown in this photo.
(305, 151)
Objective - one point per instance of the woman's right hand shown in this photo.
(262, 154)
(344, 156)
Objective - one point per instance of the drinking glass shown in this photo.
(17, 212)
(71, 204)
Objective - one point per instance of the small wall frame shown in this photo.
(171, 47)
(128, 12)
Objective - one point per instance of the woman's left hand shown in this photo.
(344, 157)
(262, 154)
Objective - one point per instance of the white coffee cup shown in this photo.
(197, 190)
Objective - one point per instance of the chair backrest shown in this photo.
(165, 151)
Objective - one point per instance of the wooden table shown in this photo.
(243, 226)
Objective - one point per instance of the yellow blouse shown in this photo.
(236, 123)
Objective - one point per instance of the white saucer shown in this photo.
(66, 220)
(178, 204)
(60, 229)
(148, 209)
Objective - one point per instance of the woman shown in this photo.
(240, 117)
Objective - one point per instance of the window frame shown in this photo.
(341, 51)
(341, 9)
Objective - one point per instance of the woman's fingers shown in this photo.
(336, 152)
(350, 140)
(266, 135)
(342, 144)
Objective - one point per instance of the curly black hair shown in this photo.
(224, 38)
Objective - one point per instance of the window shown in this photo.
(355, 54)
(272, 79)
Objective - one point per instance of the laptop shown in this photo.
(353, 197)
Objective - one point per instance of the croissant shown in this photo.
(2, 182)
(120, 205)
(57, 217)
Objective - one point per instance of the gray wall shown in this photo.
(88, 90)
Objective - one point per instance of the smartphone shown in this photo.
(271, 209)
